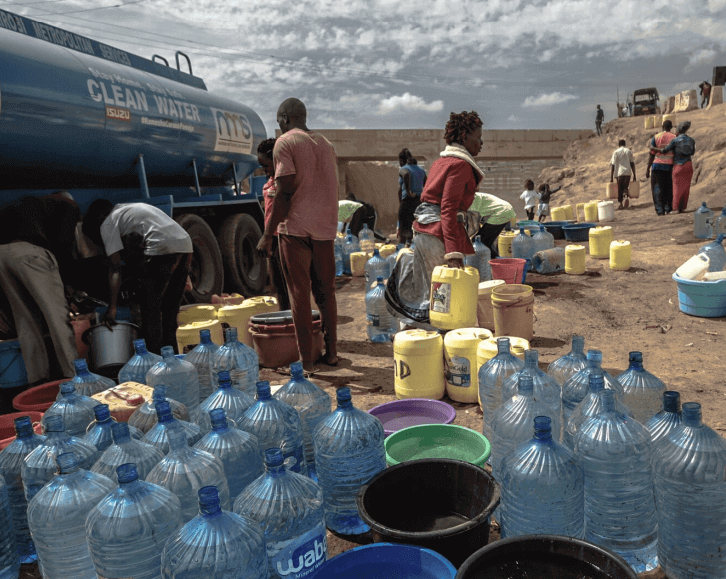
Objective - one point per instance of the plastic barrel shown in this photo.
(575, 259)
(620, 255)
(456, 499)
(453, 299)
(545, 556)
(461, 368)
(418, 361)
(600, 239)
(484, 312)
(513, 311)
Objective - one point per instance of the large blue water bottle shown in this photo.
(571, 363)
(185, 470)
(9, 558)
(179, 377)
(719, 227)
(99, 432)
(234, 402)
(546, 389)
(241, 361)
(716, 253)
(57, 519)
(480, 259)
(339, 261)
(144, 417)
(349, 452)
(703, 222)
(157, 435)
(128, 529)
(350, 245)
(86, 382)
(543, 490)
(642, 391)
(512, 422)
(140, 363)
(668, 419)
(543, 240)
(577, 386)
(75, 410)
(124, 450)
(11, 463)
(376, 267)
(615, 451)
(366, 239)
(523, 246)
(381, 326)
(491, 379)
(39, 466)
(200, 357)
(239, 452)
(290, 509)
(689, 468)
(276, 425)
(215, 544)
(312, 404)
(589, 406)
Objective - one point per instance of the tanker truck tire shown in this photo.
(245, 268)
(207, 269)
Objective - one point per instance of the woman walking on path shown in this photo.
(683, 148)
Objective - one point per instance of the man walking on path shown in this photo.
(599, 118)
(661, 184)
(622, 165)
(305, 214)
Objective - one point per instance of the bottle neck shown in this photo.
(672, 402)
(503, 346)
(531, 358)
(578, 345)
(691, 413)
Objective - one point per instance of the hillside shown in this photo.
(586, 167)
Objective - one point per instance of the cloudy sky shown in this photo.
(390, 64)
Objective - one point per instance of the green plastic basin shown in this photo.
(437, 441)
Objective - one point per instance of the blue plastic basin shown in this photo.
(578, 231)
(12, 366)
(705, 299)
(387, 560)
(555, 228)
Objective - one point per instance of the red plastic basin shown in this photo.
(38, 398)
(7, 426)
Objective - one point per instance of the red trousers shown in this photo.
(310, 265)
(682, 175)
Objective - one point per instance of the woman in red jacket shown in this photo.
(440, 229)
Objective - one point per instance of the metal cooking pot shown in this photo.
(110, 348)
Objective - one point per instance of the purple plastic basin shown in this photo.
(400, 414)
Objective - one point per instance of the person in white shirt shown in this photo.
(531, 197)
(157, 250)
(622, 165)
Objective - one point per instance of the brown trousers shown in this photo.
(31, 280)
(310, 265)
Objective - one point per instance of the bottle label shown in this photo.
(373, 320)
(301, 556)
(440, 297)
(458, 371)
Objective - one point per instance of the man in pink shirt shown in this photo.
(305, 215)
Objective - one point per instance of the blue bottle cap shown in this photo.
(127, 473)
(102, 413)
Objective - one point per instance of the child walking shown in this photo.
(544, 200)
(530, 197)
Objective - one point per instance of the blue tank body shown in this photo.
(77, 114)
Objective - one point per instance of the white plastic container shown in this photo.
(714, 275)
(695, 267)
(606, 211)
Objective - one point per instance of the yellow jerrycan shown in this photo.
(418, 362)
(558, 214)
(487, 349)
(575, 259)
(238, 316)
(387, 250)
(504, 243)
(454, 297)
(460, 363)
(196, 313)
(600, 239)
(591, 212)
(620, 255)
(358, 261)
(187, 337)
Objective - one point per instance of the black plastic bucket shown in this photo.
(439, 504)
(545, 556)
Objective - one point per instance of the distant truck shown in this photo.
(646, 101)
(104, 123)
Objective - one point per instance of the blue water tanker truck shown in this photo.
(100, 122)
